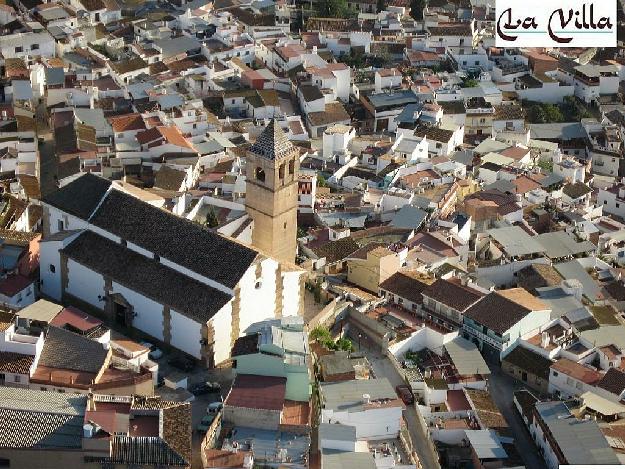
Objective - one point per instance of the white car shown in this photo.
(154, 352)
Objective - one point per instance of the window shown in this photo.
(124, 242)
(17, 378)
(60, 225)
(285, 225)
(52, 268)
(617, 205)
(34, 47)
(281, 171)
(259, 174)
(555, 373)
(120, 135)
(258, 285)
(157, 258)
(42, 388)
(19, 49)
(5, 462)
(292, 167)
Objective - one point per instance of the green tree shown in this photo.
(211, 219)
(320, 333)
(344, 344)
(470, 83)
(334, 9)
(380, 5)
(416, 9)
(553, 113)
(321, 181)
(536, 114)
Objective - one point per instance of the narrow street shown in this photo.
(48, 162)
(501, 387)
(383, 368)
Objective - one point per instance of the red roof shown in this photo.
(257, 392)
(76, 318)
(127, 122)
(149, 135)
(14, 284)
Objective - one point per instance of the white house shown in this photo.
(163, 275)
(370, 405)
(493, 331)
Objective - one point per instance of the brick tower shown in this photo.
(272, 167)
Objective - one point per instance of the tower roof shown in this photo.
(272, 143)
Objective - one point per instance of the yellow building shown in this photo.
(371, 265)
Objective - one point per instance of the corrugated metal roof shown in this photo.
(466, 357)
(515, 241)
(580, 441)
(486, 444)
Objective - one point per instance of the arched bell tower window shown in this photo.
(292, 167)
(259, 174)
(281, 171)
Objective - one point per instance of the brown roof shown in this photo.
(524, 184)
(245, 345)
(148, 135)
(334, 112)
(509, 112)
(405, 285)
(433, 133)
(577, 371)
(337, 250)
(452, 294)
(127, 122)
(224, 459)
(613, 381)
(488, 311)
(529, 361)
(486, 410)
(257, 392)
(11, 362)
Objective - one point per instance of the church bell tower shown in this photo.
(272, 167)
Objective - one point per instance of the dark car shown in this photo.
(182, 363)
(405, 394)
(204, 388)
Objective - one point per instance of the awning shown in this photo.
(466, 357)
(601, 404)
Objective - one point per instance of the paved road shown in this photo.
(501, 387)
(48, 161)
(382, 367)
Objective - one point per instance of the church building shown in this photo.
(142, 267)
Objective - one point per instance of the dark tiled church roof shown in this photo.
(273, 143)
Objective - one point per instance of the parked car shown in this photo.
(160, 380)
(202, 427)
(205, 388)
(405, 394)
(181, 362)
(154, 352)
(214, 407)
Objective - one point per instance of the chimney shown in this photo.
(87, 430)
(545, 339)
(366, 398)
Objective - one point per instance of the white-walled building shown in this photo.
(168, 277)
(370, 405)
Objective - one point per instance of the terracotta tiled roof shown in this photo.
(257, 392)
(11, 362)
(577, 371)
